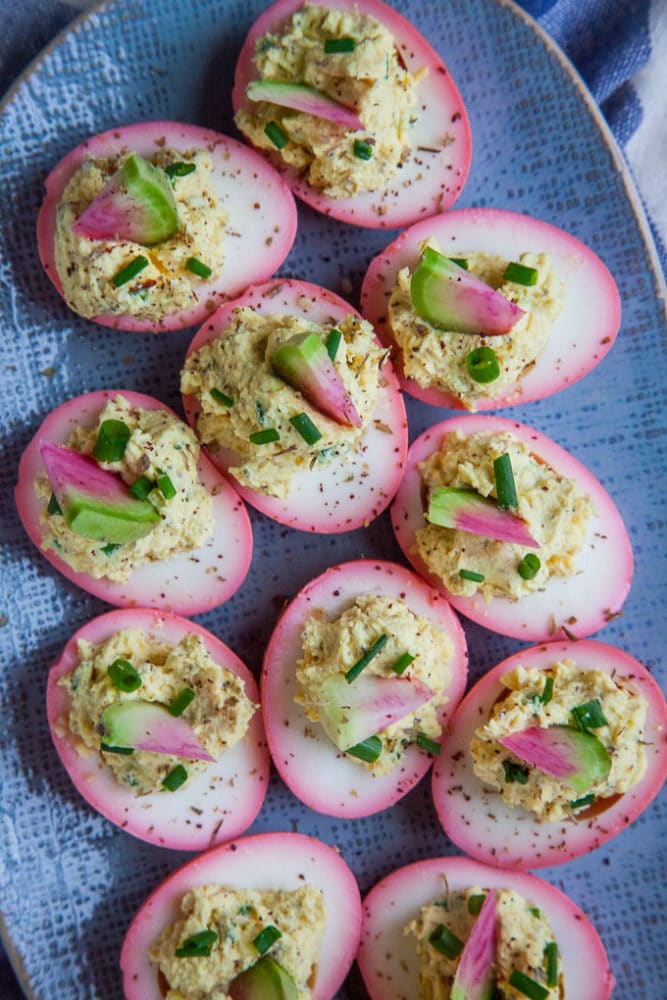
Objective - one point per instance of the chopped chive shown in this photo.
(54, 507)
(179, 169)
(111, 442)
(345, 44)
(245, 909)
(197, 267)
(589, 715)
(197, 945)
(302, 423)
(362, 150)
(551, 959)
(275, 134)
(221, 397)
(332, 342)
(264, 437)
(179, 704)
(469, 574)
(535, 910)
(260, 411)
(108, 748)
(520, 274)
(131, 270)
(505, 486)
(515, 773)
(475, 903)
(368, 750)
(176, 777)
(165, 486)
(424, 742)
(524, 984)
(402, 663)
(141, 487)
(460, 262)
(124, 676)
(445, 942)
(110, 548)
(483, 365)
(582, 803)
(547, 691)
(266, 938)
(529, 566)
(363, 662)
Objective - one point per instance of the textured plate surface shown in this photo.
(69, 881)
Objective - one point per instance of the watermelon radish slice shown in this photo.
(388, 958)
(307, 762)
(301, 97)
(578, 605)
(575, 757)
(261, 214)
(476, 819)
(214, 806)
(304, 363)
(350, 713)
(332, 496)
(474, 975)
(265, 980)
(136, 204)
(432, 176)
(263, 862)
(454, 507)
(581, 336)
(182, 584)
(145, 725)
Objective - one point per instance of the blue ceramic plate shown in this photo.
(69, 880)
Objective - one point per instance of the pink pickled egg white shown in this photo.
(188, 583)
(260, 209)
(578, 605)
(388, 958)
(583, 333)
(432, 176)
(307, 761)
(218, 804)
(263, 862)
(475, 817)
(331, 496)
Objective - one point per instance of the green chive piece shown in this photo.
(197, 267)
(524, 984)
(197, 945)
(176, 777)
(363, 662)
(130, 271)
(221, 397)
(515, 773)
(469, 574)
(124, 676)
(344, 44)
(54, 506)
(110, 548)
(362, 150)
(582, 803)
(141, 487)
(445, 942)
(551, 960)
(181, 702)
(535, 910)
(165, 486)
(424, 742)
(302, 423)
(505, 486)
(520, 274)
(402, 663)
(475, 904)
(275, 134)
(245, 909)
(589, 715)
(111, 442)
(332, 342)
(265, 437)
(108, 748)
(547, 691)
(529, 566)
(368, 750)
(261, 412)
(179, 169)
(266, 938)
(483, 365)
(460, 262)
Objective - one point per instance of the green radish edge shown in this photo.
(265, 980)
